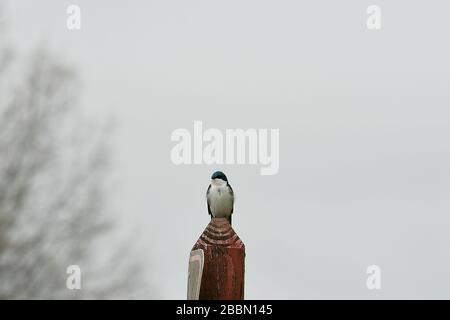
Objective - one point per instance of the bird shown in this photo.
(220, 197)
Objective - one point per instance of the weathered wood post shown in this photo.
(216, 264)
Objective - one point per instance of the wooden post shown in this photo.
(216, 265)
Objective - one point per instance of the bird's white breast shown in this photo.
(220, 200)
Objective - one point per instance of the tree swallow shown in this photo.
(220, 197)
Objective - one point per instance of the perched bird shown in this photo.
(220, 196)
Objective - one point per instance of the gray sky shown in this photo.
(364, 119)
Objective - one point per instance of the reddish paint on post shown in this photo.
(223, 271)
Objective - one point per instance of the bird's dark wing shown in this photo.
(232, 194)
(207, 201)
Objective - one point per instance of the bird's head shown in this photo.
(220, 176)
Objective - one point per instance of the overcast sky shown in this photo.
(364, 120)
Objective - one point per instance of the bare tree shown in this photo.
(52, 183)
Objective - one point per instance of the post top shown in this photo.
(219, 233)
